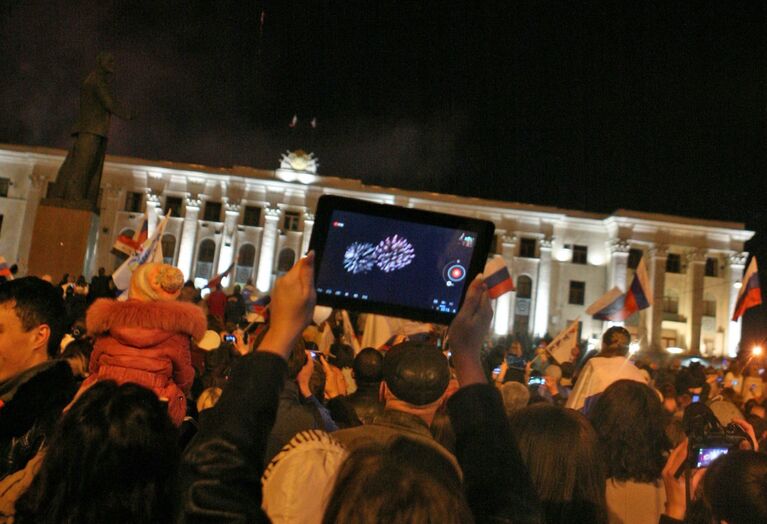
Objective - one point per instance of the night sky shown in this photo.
(655, 106)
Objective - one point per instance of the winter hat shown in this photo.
(155, 282)
(415, 372)
(297, 483)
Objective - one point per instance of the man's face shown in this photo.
(19, 349)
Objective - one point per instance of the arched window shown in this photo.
(285, 260)
(169, 249)
(246, 259)
(206, 253)
(524, 287)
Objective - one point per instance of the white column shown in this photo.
(735, 265)
(619, 256)
(268, 248)
(153, 212)
(543, 289)
(188, 237)
(226, 253)
(36, 185)
(696, 265)
(308, 226)
(658, 255)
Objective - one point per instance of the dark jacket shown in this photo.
(366, 402)
(30, 405)
(220, 476)
(293, 415)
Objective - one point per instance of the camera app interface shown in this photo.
(387, 260)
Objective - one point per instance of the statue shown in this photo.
(80, 174)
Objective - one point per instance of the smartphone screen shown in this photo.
(705, 456)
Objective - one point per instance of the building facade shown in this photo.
(261, 220)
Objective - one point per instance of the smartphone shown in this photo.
(705, 456)
(536, 381)
(230, 338)
(696, 398)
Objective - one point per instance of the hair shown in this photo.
(296, 359)
(112, 458)
(515, 396)
(615, 342)
(735, 487)
(37, 302)
(368, 366)
(343, 355)
(403, 482)
(630, 421)
(560, 449)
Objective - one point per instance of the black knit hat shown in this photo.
(416, 373)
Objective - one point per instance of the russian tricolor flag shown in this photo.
(750, 293)
(497, 277)
(617, 306)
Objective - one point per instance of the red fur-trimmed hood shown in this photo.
(106, 315)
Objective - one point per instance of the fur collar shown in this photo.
(181, 317)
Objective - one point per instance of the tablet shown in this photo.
(394, 260)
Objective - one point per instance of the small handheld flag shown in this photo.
(750, 293)
(561, 347)
(216, 281)
(129, 245)
(497, 277)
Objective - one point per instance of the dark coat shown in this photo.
(366, 402)
(31, 404)
(293, 416)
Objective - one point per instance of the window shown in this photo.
(671, 304)
(580, 254)
(285, 260)
(1, 224)
(212, 212)
(577, 292)
(205, 255)
(527, 248)
(635, 255)
(524, 287)
(709, 308)
(173, 204)
(712, 267)
(4, 184)
(169, 249)
(134, 202)
(252, 216)
(291, 221)
(673, 263)
(246, 259)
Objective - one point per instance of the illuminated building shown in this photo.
(561, 260)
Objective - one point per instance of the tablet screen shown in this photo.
(398, 266)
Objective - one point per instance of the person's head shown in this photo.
(342, 355)
(615, 342)
(368, 366)
(101, 271)
(415, 378)
(515, 396)
(402, 482)
(155, 282)
(32, 322)
(516, 348)
(237, 290)
(112, 458)
(106, 62)
(78, 354)
(81, 280)
(561, 451)
(735, 487)
(630, 421)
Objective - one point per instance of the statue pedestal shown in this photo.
(63, 239)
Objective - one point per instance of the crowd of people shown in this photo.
(169, 407)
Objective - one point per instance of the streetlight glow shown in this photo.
(756, 351)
